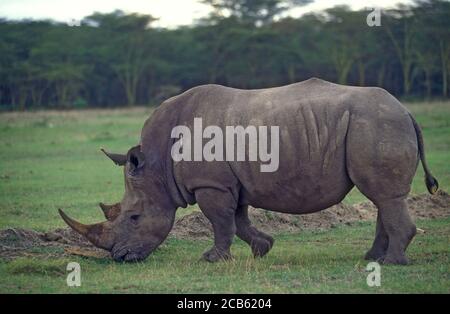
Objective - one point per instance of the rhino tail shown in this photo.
(430, 181)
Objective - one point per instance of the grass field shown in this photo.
(52, 159)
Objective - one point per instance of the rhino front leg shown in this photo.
(259, 242)
(220, 208)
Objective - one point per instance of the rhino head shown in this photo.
(141, 221)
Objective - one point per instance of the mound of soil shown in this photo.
(420, 206)
(196, 225)
(16, 242)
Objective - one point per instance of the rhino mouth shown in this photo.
(126, 254)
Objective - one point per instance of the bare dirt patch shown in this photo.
(16, 242)
(196, 225)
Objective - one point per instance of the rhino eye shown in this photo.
(134, 218)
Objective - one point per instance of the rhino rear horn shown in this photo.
(110, 211)
(118, 159)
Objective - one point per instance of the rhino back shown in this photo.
(313, 119)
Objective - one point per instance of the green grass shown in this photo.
(311, 262)
(52, 159)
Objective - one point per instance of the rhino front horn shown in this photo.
(118, 159)
(95, 233)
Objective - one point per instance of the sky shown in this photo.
(170, 13)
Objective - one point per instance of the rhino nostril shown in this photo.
(134, 219)
(132, 257)
(119, 255)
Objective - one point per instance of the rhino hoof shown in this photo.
(261, 247)
(214, 255)
(395, 260)
(374, 256)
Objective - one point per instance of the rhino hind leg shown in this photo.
(399, 228)
(380, 244)
(382, 158)
(395, 228)
(259, 242)
(394, 232)
(220, 208)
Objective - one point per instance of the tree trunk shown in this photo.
(404, 54)
(131, 94)
(362, 73)
(381, 73)
(291, 73)
(342, 63)
(406, 79)
(444, 68)
(343, 72)
(37, 93)
(428, 83)
(19, 97)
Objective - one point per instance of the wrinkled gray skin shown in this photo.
(332, 138)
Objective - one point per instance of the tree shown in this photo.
(59, 62)
(116, 58)
(123, 44)
(433, 32)
(254, 12)
(398, 25)
(339, 33)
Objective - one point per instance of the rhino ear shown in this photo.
(136, 159)
(118, 159)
